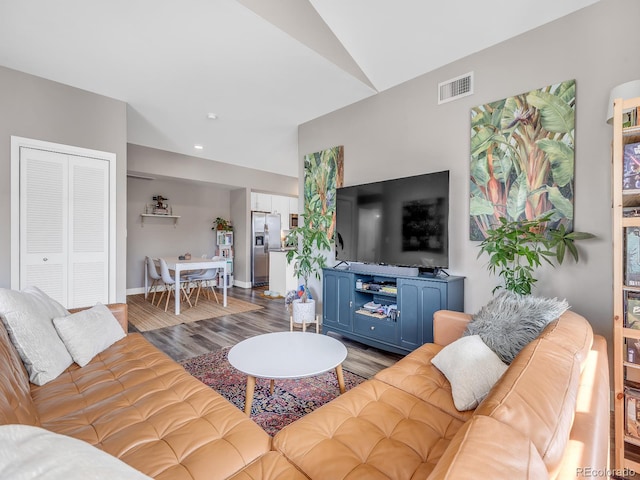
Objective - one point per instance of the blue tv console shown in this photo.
(417, 298)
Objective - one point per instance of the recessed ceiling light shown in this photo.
(212, 116)
(198, 147)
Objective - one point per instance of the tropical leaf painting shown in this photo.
(522, 159)
(323, 173)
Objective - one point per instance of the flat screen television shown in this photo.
(400, 222)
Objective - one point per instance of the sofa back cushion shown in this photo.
(16, 405)
(573, 333)
(537, 395)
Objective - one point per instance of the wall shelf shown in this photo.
(145, 215)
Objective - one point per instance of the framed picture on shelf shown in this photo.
(632, 309)
(632, 350)
(632, 398)
(631, 168)
(632, 256)
(630, 118)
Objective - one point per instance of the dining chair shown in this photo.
(152, 271)
(170, 285)
(204, 277)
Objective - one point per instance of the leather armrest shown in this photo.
(588, 446)
(448, 326)
(119, 310)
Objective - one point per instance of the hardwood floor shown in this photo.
(192, 339)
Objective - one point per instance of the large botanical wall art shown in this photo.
(522, 159)
(323, 173)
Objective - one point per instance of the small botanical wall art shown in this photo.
(522, 159)
(323, 173)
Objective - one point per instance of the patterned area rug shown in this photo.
(145, 316)
(291, 399)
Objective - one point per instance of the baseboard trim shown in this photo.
(139, 290)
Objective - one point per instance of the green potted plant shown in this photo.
(517, 248)
(221, 224)
(308, 259)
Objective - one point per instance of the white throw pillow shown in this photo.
(33, 453)
(472, 369)
(27, 315)
(88, 332)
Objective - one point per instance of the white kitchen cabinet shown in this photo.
(280, 204)
(293, 205)
(261, 202)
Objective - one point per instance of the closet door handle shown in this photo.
(45, 259)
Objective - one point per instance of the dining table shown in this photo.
(178, 266)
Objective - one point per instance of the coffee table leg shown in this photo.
(340, 378)
(251, 386)
(271, 383)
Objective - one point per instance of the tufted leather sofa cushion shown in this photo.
(478, 445)
(137, 404)
(416, 375)
(270, 466)
(373, 431)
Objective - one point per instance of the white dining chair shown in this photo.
(170, 285)
(203, 278)
(152, 271)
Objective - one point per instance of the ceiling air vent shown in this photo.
(455, 88)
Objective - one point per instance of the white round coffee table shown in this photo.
(285, 355)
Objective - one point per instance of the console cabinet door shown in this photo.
(410, 320)
(418, 300)
(338, 299)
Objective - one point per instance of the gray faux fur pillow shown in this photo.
(510, 321)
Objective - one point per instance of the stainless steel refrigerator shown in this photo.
(265, 228)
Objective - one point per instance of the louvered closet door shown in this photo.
(88, 231)
(44, 218)
(64, 234)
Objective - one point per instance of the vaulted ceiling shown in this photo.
(261, 66)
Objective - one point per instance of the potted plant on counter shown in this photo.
(308, 259)
(517, 248)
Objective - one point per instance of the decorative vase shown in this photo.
(304, 312)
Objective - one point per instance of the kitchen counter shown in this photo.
(281, 276)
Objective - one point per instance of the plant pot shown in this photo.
(304, 312)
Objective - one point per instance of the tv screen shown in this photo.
(396, 222)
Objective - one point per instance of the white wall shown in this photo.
(40, 109)
(196, 204)
(233, 182)
(240, 206)
(403, 131)
(155, 162)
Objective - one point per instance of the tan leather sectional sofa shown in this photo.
(548, 416)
